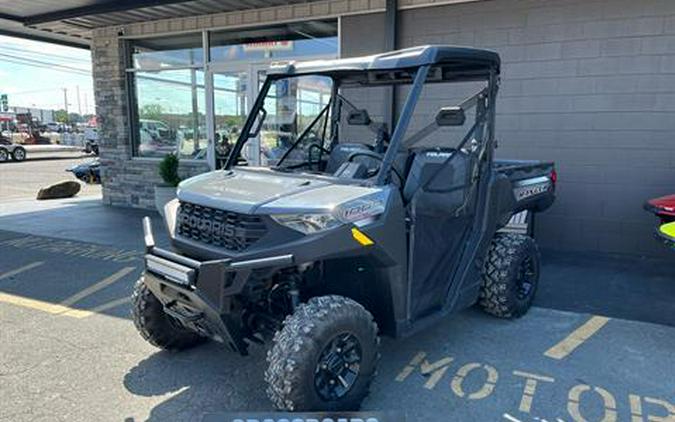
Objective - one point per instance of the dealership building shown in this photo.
(589, 84)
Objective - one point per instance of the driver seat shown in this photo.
(341, 152)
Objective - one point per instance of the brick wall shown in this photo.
(589, 84)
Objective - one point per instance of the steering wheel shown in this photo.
(308, 162)
(313, 147)
(371, 154)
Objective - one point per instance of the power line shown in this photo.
(33, 91)
(39, 53)
(43, 64)
(76, 69)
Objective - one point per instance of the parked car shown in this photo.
(320, 254)
(157, 129)
(54, 127)
(89, 172)
(91, 146)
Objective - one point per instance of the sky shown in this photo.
(34, 74)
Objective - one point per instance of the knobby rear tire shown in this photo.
(500, 293)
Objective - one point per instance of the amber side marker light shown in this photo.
(360, 237)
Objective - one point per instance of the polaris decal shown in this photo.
(438, 154)
(531, 188)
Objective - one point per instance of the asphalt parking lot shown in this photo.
(70, 351)
(24, 179)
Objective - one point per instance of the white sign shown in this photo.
(269, 46)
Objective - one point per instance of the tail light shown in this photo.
(554, 177)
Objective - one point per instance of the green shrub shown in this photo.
(168, 170)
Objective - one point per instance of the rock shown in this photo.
(59, 190)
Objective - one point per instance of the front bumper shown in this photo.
(199, 293)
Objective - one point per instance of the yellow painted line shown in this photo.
(40, 305)
(21, 269)
(576, 338)
(97, 286)
(64, 308)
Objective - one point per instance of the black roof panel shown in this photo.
(462, 58)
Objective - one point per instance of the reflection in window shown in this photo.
(230, 109)
(171, 113)
(277, 42)
(292, 104)
(163, 52)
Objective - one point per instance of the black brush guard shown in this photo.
(199, 294)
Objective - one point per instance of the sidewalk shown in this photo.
(84, 219)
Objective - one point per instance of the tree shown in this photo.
(75, 118)
(61, 116)
(152, 112)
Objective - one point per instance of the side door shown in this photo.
(441, 198)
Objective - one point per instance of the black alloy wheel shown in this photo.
(338, 367)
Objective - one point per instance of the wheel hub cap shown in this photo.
(338, 367)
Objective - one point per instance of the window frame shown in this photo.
(132, 97)
(207, 67)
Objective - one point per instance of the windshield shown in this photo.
(299, 120)
(296, 120)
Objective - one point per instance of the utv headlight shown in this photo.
(307, 223)
(358, 211)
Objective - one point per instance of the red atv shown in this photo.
(663, 207)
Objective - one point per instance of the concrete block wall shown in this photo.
(589, 84)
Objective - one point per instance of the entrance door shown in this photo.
(230, 106)
(234, 89)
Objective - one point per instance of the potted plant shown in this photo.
(168, 170)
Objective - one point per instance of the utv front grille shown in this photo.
(223, 229)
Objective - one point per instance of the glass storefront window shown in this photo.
(278, 42)
(275, 50)
(167, 52)
(171, 113)
(169, 96)
(167, 83)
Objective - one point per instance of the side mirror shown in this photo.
(358, 118)
(450, 116)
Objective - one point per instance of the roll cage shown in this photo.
(415, 67)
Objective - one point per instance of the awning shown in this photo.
(70, 22)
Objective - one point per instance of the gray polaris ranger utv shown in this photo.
(331, 230)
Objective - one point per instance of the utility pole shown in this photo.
(65, 99)
(79, 107)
